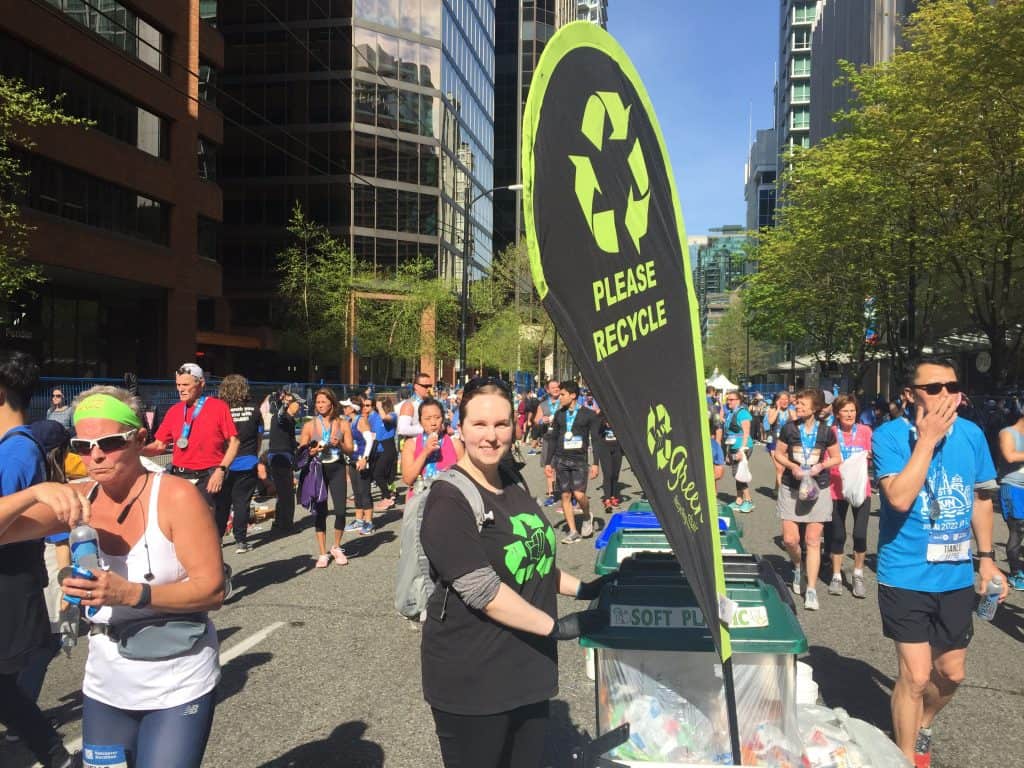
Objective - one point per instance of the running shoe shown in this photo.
(549, 501)
(858, 587)
(323, 561)
(811, 600)
(746, 506)
(797, 575)
(367, 529)
(835, 587)
(572, 538)
(355, 525)
(587, 529)
(616, 501)
(1017, 581)
(383, 504)
(607, 503)
(339, 555)
(923, 748)
(243, 547)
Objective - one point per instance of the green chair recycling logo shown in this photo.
(607, 107)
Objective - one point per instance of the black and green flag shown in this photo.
(609, 259)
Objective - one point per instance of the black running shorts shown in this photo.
(570, 475)
(944, 620)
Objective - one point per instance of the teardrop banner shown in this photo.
(608, 257)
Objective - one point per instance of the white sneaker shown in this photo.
(797, 577)
(811, 600)
(835, 587)
(587, 529)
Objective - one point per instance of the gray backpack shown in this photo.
(413, 585)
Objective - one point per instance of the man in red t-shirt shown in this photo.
(204, 438)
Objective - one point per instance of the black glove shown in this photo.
(590, 590)
(581, 623)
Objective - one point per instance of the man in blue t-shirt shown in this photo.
(24, 572)
(937, 480)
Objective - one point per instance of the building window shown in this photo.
(765, 208)
(800, 118)
(802, 65)
(801, 93)
(120, 27)
(207, 83)
(802, 39)
(208, 11)
(70, 194)
(803, 13)
(206, 155)
(208, 239)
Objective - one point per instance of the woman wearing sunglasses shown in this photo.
(161, 570)
(489, 656)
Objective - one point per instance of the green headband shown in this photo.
(106, 407)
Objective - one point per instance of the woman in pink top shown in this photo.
(430, 452)
(852, 438)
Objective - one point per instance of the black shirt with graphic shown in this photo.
(248, 421)
(586, 431)
(471, 664)
(789, 436)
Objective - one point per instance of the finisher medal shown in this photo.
(182, 443)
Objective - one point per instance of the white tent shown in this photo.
(720, 382)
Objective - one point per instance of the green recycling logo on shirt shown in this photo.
(534, 553)
(606, 108)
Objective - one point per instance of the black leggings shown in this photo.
(513, 739)
(21, 715)
(337, 484)
(860, 526)
(240, 485)
(283, 473)
(1013, 545)
(610, 456)
(382, 466)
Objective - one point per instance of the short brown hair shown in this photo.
(842, 401)
(816, 396)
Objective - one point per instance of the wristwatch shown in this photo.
(990, 554)
(144, 597)
(222, 468)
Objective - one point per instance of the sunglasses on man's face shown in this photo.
(937, 386)
(108, 443)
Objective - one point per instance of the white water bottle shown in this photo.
(990, 599)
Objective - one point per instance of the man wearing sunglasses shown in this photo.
(409, 411)
(204, 439)
(24, 623)
(937, 481)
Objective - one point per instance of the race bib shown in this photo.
(572, 442)
(949, 546)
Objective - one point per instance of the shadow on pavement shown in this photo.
(364, 545)
(383, 519)
(225, 633)
(234, 674)
(250, 580)
(1010, 619)
(852, 684)
(344, 748)
(562, 736)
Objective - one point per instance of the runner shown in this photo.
(610, 454)
(328, 438)
(432, 451)
(937, 480)
(806, 449)
(59, 410)
(740, 445)
(852, 438)
(204, 438)
(1011, 495)
(408, 412)
(283, 407)
(385, 453)
(357, 411)
(573, 431)
(779, 414)
(543, 416)
(244, 474)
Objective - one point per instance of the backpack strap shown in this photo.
(468, 489)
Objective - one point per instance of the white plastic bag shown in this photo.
(808, 488)
(743, 469)
(854, 473)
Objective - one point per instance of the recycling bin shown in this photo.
(626, 542)
(636, 510)
(656, 668)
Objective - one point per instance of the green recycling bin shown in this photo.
(655, 667)
(725, 512)
(627, 542)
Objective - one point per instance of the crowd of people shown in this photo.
(161, 574)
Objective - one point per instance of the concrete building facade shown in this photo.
(760, 174)
(124, 215)
(720, 264)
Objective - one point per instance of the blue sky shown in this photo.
(706, 64)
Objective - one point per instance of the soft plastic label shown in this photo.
(682, 617)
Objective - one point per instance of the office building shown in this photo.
(793, 86)
(862, 32)
(760, 175)
(124, 215)
(594, 11)
(376, 117)
(720, 264)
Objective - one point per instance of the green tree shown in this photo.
(728, 344)
(21, 109)
(317, 274)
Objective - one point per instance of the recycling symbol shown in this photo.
(607, 107)
(658, 428)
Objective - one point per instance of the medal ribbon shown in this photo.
(186, 427)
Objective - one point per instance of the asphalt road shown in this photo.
(319, 670)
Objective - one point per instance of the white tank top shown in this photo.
(140, 685)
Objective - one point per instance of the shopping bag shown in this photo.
(743, 469)
(854, 473)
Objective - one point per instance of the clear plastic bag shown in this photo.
(854, 473)
(808, 488)
(831, 737)
(743, 468)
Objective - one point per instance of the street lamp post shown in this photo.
(466, 255)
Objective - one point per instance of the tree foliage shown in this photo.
(727, 346)
(21, 109)
(917, 203)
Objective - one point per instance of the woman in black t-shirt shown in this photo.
(243, 474)
(489, 662)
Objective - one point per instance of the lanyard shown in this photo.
(847, 451)
(934, 508)
(570, 418)
(325, 432)
(186, 428)
(552, 406)
(808, 448)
